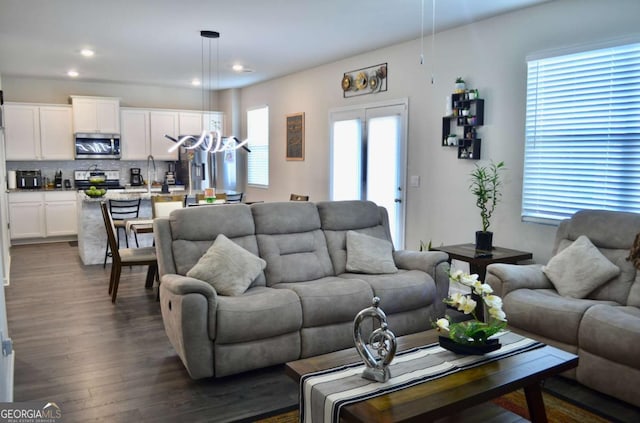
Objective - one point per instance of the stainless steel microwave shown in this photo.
(97, 146)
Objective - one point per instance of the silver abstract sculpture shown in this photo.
(380, 348)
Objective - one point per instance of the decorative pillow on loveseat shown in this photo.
(228, 267)
(579, 269)
(368, 254)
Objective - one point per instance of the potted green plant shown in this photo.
(460, 85)
(485, 185)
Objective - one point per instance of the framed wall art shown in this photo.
(295, 136)
(364, 81)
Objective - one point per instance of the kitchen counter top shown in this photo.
(131, 194)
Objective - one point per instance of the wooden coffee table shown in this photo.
(448, 395)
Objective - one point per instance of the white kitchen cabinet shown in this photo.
(42, 214)
(60, 213)
(161, 123)
(26, 215)
(214, 121)
(135, 136)
(190, 123)
(96, 114)
(38, 132)
(56, 133)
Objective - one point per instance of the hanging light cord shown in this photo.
(422, 33)
(433, 37)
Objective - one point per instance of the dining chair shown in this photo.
(298, 197)
(235, 198)
(121, 211)
(163, 205)
(145, 256)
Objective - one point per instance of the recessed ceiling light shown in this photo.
(87, 52)
(73, 73)
(241, 69)
(195, 82)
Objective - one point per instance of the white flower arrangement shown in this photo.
(473, 331)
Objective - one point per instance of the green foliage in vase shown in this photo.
(474, 331)
(485, 185)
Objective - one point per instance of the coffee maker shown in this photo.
(136, 177)
(170, 175)
(58, 179)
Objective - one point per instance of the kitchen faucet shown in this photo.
(150, 157)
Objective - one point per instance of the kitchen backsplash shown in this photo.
(49, 168)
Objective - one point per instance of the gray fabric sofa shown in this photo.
(304, 302)
(603, 328)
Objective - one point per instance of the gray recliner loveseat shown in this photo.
(601, 322)
(304, 301)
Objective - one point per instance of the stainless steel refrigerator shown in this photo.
(226, 171)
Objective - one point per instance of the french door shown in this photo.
(368, 158)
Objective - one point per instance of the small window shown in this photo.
(582, 148)
(258, 135)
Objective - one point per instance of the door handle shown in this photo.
(397, 200)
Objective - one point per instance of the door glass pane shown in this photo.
(346, 181)
(382, 166)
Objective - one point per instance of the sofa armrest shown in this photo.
(435, 263)
(504, 278)
(189, 315)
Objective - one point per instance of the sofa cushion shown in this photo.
(330, 300)
(403, 291)
(368, 254)
(612, 333)
(227, 267)
(338, 217)
(579, 269)
(545, 312)
(259, 313)
(291, 242)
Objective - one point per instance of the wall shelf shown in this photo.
(469, 115)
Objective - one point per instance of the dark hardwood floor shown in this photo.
(104, 362)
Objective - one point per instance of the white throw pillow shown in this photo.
(228, 267)
(368, 254)
(579, 269)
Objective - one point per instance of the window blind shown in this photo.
(258, 135)
(582, 147)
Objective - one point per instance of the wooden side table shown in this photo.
(479, 260)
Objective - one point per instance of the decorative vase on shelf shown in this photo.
(452, 140)
(484, 240)
(460, 85)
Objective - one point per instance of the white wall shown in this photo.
(490, 55)
(21, 89)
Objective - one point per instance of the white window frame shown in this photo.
(262, 140)
(582, 135)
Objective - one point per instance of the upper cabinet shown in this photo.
(38, 132)
(190, 123)
(96, 114)
(143, 131)
(163, 123)
(135, 134)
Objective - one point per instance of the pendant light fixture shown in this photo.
(210, 141)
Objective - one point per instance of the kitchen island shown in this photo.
(92, 236)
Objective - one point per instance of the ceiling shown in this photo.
(158, 42)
